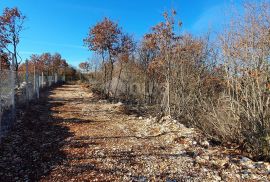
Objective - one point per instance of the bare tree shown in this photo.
(11, 25)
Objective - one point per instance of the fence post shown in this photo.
(12, 82)
(27, 83)
(64, 75)
(49, 80)
(42, 80)
(38, 85)
(0, 102)
(35, 79)
(39, 81)
(55, 78)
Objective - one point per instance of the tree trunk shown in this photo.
(15, 61)
(111, 73)
(105, 73)
(119, 76)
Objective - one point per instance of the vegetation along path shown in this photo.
(72, 135)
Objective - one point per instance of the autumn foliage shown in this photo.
(219, 86)
(85, 66)
(4, 61)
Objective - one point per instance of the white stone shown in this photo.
(119, 104)
(205, 144)
(199, 160)
(245, 159)
(217, 178)
(206, 157)
(249, 166)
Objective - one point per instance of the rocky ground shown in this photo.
(72, 135)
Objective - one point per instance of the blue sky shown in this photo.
(60, 25)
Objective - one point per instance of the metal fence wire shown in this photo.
(7, 100)
(19, 88)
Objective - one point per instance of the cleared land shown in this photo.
(72, 135)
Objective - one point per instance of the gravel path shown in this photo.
(71, 135)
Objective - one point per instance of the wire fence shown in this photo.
(7, 100)
(18, 89)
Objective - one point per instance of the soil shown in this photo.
(72, 135)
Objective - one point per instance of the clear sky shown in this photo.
(60, 25)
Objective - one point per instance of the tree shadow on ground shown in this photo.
(33, 146)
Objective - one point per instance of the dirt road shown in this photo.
(107, 144)
(71, 135)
